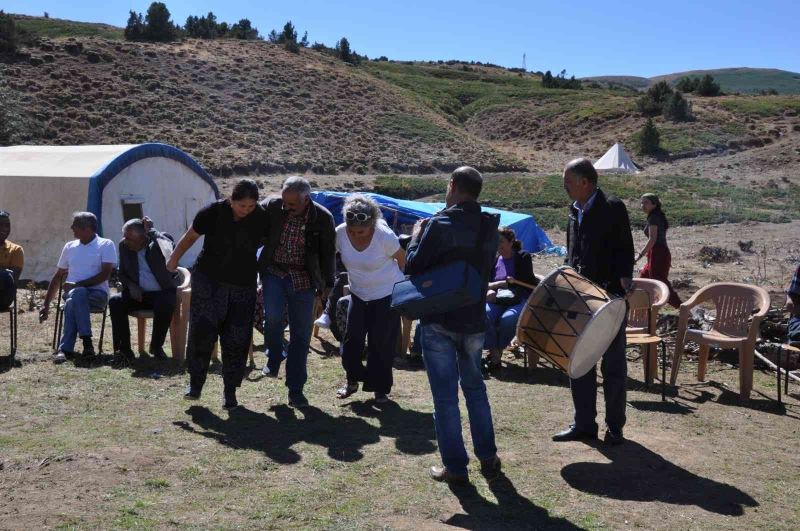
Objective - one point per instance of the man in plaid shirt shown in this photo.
(793, 306)
(296, 265)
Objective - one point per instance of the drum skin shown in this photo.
(570, 320)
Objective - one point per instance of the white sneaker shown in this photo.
(323, 322)
(59, 357)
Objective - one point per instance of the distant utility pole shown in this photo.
(524, 63)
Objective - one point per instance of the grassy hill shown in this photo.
(732, 80)
(55, 27)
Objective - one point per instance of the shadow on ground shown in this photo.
(412, 431)
(343, 437)
(638, 474)
(512, 510)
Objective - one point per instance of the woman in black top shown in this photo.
(505, 301)
(223, 286)
(659, 259)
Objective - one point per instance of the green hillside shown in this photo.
(55, 27)
(744, 80)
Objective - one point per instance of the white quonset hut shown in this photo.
(42, 185)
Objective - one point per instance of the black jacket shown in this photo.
(157, 251)
(523, 271)
(601, 247)
(451, 235)
(320, 242)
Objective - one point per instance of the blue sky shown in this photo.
(586, 38)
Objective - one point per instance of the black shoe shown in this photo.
(192, 393)
(230, 401)
(613, 438)
(490, 468)
(158, 352)
(440, 473)
(298, 400)
(573, 434)
(88, 347)
(126, 353)
(490, 367)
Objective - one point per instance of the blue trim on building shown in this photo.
(106, 174)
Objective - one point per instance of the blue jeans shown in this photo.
(501, 324)
(793, 331)
(78, 302)
(278, 294)
(451, 358)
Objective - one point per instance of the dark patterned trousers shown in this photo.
(219, 311)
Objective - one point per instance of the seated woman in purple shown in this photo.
(504, 301)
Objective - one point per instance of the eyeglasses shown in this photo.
(361, 217)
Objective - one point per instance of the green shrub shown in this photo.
(158, 24)
(649, 139)
(134, 29)
(708, 87)
(243, 30)
(288, 38)
(344, 52)
(676, 108)
(652, 102)
(9, 40)
(560, 81)
(687, 84)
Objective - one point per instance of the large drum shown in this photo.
(570, 320)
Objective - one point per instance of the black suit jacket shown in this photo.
(158, 250)
(601, 247)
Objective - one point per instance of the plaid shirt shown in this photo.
(794, 287)
(290, 256)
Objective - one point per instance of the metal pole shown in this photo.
(778, 372)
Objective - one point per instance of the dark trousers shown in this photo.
(614, 368)
(162, 303)
(378, 324)
(219, 311)
(7, 289)
(793, 330)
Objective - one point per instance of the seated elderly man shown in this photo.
(146, 285)
(793, 307)
(12, 260)
(87, 261)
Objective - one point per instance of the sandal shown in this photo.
(347, 390)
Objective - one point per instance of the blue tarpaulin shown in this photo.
(401, 214)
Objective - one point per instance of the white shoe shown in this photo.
(59, 357)
(323, 322)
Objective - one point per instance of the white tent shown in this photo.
(616, 160)
(42, 185)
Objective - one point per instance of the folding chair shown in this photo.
(59, 324)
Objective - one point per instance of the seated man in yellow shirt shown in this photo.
(12, 260)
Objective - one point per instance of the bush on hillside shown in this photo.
(203, 27)
(560, 81)
(9, 40)
(158, 23)
(244, 30)
(134, 29)
(708, 87)
(344, 52)
(652, 102)
(288, 37)
(687, 84)
(649, 140)
(676, 108)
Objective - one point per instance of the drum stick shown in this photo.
(523, 284)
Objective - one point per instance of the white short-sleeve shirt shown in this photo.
(85, 261)
(372, 272)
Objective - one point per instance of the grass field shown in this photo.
(104, 447)
(687, 200)
(762, 105)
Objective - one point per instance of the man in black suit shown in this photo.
(599, 247)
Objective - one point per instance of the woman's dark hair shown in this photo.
(653, 198)
(508, 234)
(245, 189)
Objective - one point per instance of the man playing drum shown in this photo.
(599, 247)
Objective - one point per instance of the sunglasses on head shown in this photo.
(357, 216)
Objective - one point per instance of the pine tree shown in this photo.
(677, 109)
(343, 50)
(134, 29)
(649, 139)
(9, 39)
(158, 25)
(708, 87)
(289, 37)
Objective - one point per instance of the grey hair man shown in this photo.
(146, 285)
(85, 266)
(296, 265)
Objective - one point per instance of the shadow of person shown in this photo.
(512, 510)
(412, 431)
(343, 437)
(541, 375)
(637, 474)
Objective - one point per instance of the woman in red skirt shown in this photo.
(659, 259)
